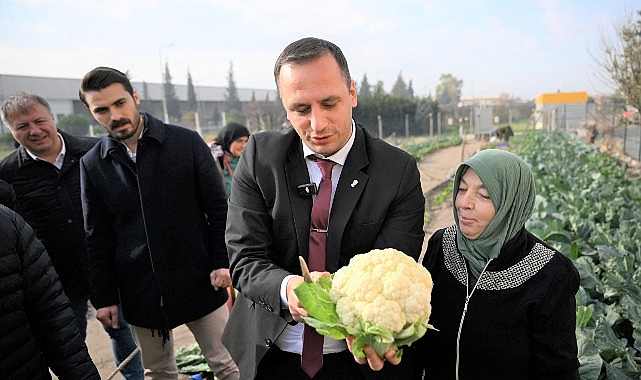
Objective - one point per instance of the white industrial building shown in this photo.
(62, 95)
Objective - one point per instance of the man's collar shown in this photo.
(63, 151)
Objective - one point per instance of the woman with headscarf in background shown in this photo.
(503, 300)
(227, 148)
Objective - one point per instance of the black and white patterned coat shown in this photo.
(519, 321)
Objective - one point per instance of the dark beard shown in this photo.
(127, 135)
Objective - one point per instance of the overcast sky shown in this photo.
(518, 47)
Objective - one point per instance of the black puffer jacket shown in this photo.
(7, 196)
(37, 327)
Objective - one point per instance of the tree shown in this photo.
(365, 90)
(425, 109)
(145, 91)
(74, 124)
(145, 102)
(232, 102)
(448, 91)
(173, 106)
(234, 116)
(379, 89)
(399, 88)
(622, 59)
(192, 102)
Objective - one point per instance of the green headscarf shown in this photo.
(509, 181)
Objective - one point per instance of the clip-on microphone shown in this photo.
(307, 190)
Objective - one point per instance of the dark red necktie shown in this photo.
(312, 357)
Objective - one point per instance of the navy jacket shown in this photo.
(155, 227)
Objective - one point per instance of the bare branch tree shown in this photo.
(622, 58)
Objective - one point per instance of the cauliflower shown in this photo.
(385, 287)
(382, 298)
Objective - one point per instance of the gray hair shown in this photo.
(21, 104)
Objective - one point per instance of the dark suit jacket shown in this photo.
(378, 204)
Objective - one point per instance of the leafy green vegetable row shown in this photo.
(588, 209)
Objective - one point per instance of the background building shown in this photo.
(62, 94)
(566, 111)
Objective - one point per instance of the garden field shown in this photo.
(590, 210)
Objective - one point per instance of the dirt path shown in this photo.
(436, 168)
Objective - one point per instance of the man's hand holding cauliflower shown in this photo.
(379, 302)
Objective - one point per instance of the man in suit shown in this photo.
(376, 202)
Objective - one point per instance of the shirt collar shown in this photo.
(59, 159)
(339, 157)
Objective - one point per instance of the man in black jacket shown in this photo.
(44, 173)
(155, 207)
(38, 331)
(7, 195)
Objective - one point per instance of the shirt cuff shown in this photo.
(283, 291)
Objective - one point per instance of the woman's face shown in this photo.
(473, 204)
(237, 146)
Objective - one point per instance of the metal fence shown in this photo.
(630, 140)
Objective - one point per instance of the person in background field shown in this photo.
(45, 174)
(376, 202)
(155, 209)
(7, 195)
(227, 148)
(38, 330)
(503, 300)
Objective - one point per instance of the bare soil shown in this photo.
(435, 168)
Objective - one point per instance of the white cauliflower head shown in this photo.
(385, 287)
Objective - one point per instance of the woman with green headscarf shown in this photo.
(503, 300)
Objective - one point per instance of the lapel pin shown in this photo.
(354, 183)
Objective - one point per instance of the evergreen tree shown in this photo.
(232, 102)
(400, 88)
(379, 89)
(145, 103)
(426, 108)
(365, 90)
(192, 102)
(145, 91)
(173, 106)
